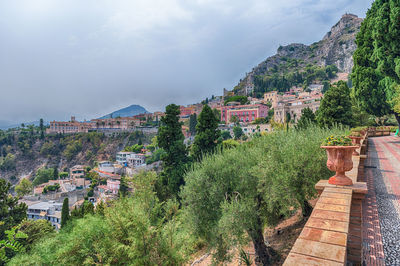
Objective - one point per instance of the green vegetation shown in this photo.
(7, 163)
(192, 124)
(170, 139)
(65, 213)
(376, 72)
(236, 98)
(134, 148)
(207, 133)
(11, 212)
(307, 118)
(337, 141)
(237, 132)
(293, 73)
(230, 197)
(48, 188)
(43, 175)
(336, 106)
(24, 187)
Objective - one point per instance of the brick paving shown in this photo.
(381, 208)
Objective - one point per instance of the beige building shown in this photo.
(273, 97)
(294, 108)
(72, 126)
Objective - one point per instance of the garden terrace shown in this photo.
(333, 232)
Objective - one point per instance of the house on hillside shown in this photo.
(50, 211)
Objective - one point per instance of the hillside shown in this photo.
(23, 152)
(127, 111)
(300, 65)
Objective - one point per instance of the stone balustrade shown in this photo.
(333, 232)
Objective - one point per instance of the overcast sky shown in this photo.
(89, 57)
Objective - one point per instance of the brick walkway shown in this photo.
(381, 208)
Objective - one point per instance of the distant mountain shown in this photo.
(297, 64)
(7, 124)
(127, 111)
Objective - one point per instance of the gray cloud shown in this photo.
(87, 58)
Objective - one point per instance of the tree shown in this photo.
(207, 133)
(307, 118)
(226, 135)
(237, 132)
(192, 124)
(234, 119)
(170, 138)
(65, 213)
(231, 196)
(24, 187)
(335, 107)
(55, 173)
(11, 212)
(376, 71)
(43, 175)
(35, 230)
(41, 126)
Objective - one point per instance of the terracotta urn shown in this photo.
(356, 142)
(340, 161)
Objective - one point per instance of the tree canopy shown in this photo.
(376, 71)
(207, 133)
(335, 107)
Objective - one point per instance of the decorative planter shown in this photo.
(356, 141)
(340, 161)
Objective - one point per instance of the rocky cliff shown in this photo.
(336, 48)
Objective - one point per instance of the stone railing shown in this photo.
(333, 232)
(374, 132)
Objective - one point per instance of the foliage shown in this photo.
(236, 98)
(284, 77)
(11, 212)
(7, 163)
(48, 188)
(132, 232)
(65, 213)
(337, 141)
(134, 148)
(207, 133)
(63, 175)
(230, 143)
(307, 118)
(170, 138)
(72, 149)
(230, 197)
(376, 72)
(192, 124)
(237, 132)
(225, 134)
(156, 156)
(35, 230)
(11, 243)
(43, 175)
(336, 106)
(24, 187)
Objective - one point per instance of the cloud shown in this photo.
(87, 58)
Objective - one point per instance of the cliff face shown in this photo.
(336, 48)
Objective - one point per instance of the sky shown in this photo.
(60, 58)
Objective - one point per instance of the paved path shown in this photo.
(381, 209)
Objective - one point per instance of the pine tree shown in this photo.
(336, 106)
(207, 133)
(65, 213)
(170, 138)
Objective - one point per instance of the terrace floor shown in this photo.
(381, 207)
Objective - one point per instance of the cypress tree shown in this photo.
(192, 124)
(55, 173)
(170, 138)
(207, 133)
(65, 213)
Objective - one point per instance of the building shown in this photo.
(294, 108)
(109, 167)
(252, 129)
(244, 113)
(273, 97)
(121, 157)
(136, 160)
(50, 211)
(72, 126)
(77, 171)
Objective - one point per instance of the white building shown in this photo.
(122, 156)
(136, 160)
(50, 211)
